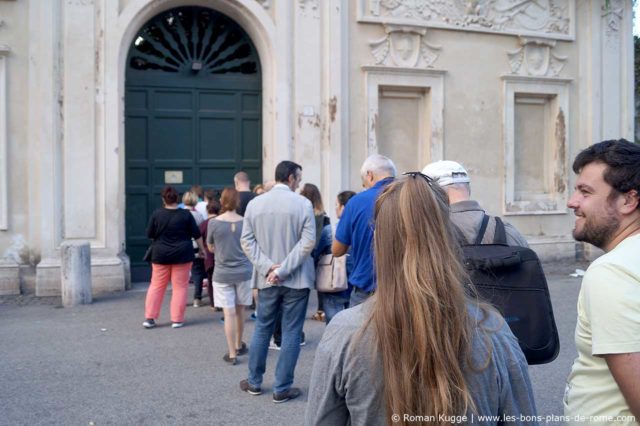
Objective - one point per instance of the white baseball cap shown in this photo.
(446, 173)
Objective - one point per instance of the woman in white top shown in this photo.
(232, 273)
(198, 273)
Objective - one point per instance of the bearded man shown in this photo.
(604, 384)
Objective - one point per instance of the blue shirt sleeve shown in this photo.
(345, 225)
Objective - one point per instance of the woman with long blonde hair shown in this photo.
(420, 351)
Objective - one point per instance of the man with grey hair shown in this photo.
(355, 228)
(466, 213)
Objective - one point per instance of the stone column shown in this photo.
(606, 79)
(75, 273)
(335, 100)
(44, 98)
(78, 120)
(307, 77)
(283, 143)
(4, 163)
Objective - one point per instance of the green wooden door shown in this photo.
(192, 113)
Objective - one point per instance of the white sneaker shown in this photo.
(149, 323)
(272, 345)
(196, 303)
(177, 325)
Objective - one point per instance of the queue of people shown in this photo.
(408, 335)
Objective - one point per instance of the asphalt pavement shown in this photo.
(96, 365)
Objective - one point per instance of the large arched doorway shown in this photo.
(192, 113)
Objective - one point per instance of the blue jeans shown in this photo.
(334, 303)
(359, 296)
(293, 305)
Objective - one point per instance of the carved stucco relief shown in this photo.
(548, 18)
(535, 57)
(612, 14)
(309, 6)
(404, 46)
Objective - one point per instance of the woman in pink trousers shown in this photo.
(171, 230)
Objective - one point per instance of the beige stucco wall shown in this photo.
(13, 244)
(65, 137)
(473, 115)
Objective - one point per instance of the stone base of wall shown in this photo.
(9, 278)
(590, 252)
(27, 279)
(108, 274)
(551, 249)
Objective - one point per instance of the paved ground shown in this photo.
(95, 364)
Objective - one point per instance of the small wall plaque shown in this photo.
(173, 176)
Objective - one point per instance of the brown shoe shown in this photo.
(227, 358)
(318, 316)
(242, 350)
(291, 393)
(245, 386)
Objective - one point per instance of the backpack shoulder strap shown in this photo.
(483, 228)
(500, 236)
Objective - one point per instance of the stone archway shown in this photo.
(192, 112)
(124, 25)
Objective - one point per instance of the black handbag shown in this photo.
(148, 253)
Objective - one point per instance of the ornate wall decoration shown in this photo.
(612, 14)
(535, 57)
(404, 46)
(542, 18)
(309, 6)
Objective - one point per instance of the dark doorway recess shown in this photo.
(193, 113)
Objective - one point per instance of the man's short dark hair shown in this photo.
(197, 189)
(622, 159)
(345, 196)
(285, 169)
(210, 194)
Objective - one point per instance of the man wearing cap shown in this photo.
(466, 213)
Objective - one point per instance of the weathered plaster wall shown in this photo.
(14, 240)
(322, 62)
(477, 68)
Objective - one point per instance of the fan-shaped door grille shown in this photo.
(195, 41)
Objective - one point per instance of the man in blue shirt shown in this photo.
(355, 228)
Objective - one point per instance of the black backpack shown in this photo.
(512, 280)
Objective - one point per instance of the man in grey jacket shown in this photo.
(278, 236)
(466, 213)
